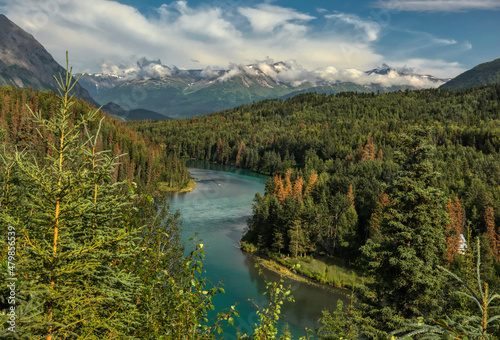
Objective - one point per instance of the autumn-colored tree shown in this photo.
(350, 195)
(279, 190)
(491, 231)
(358, 157)
(288, 183)
(369, 150)
(241, 148)
(455, 228)
(310, 184)
(219, 146)
(297, 188)
(380, 156)
(376, 217)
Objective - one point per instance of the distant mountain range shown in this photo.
(151, 90)
(184, 93)
(482, 74)
(121, 114)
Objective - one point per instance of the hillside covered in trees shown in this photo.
(86, 254)
(387, 181)
(140, 160)
(351, 139)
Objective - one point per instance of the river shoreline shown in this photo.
(189, 187)
(272, 265)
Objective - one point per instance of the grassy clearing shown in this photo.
(163, 187)
(326, 270)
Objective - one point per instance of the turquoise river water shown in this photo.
(218, 209)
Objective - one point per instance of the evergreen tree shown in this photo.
(73, 238)
(455, 229)
(404, 260)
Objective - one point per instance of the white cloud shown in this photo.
(438, 68)
(290, 72)
(198, 37)
(370, 28)
(439, 5)
(177, 33)
(441, 41)
(266, 18)
(142, 68)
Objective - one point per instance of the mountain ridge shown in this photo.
(24, 62)
(184, 93)
(482, 74)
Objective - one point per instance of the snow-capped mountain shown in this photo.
(175, 92)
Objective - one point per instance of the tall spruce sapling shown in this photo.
(73, 239)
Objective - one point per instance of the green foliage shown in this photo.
(269, 315)
(141, 161)
(404, 259)
(339, 326)
(478, 325)
(93, 259)
(73, 242)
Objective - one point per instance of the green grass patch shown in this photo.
(330, 271)
(164, 187)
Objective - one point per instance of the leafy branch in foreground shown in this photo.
(476, 326)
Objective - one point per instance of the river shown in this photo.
(217, 209)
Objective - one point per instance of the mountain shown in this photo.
(482, 74)
(116, 111)
(405, 71)
(24, 62)
(185, 93)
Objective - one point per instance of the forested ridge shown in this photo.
(387, 181)
(350, 139)
(141, 160)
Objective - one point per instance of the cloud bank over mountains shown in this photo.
(287, 72)
(205, 35)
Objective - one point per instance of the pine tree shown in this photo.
(491, 231)
(310, 183)
(376, 218)
(297, 188)
(288, 184)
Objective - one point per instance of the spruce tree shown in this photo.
(404, 258)
(73, 239)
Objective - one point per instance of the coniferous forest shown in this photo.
(403, 186)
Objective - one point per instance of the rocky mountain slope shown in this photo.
(24, 62)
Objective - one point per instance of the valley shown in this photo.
(347, 186)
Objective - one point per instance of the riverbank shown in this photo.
(323, 271)
(162, 187)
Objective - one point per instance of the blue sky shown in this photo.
(440, 37)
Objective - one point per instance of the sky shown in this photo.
(438, 37)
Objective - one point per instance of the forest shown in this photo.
(400, 183)
(141, 161)
(403, 185)
(92, 250)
